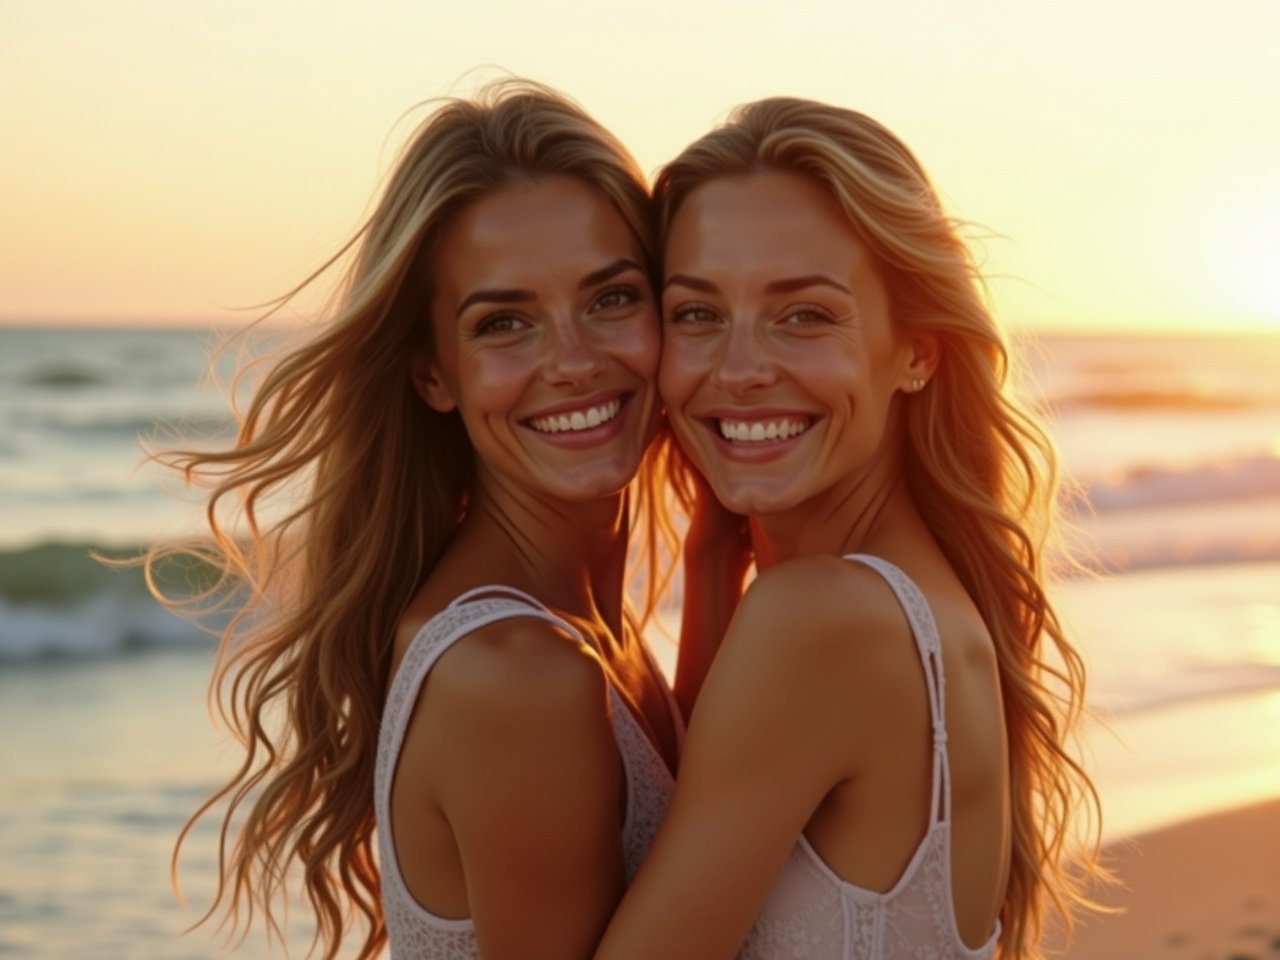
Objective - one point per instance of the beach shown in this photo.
(109, 746)
(124, 751)
(1204, 889)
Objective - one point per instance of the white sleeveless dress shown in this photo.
(412, 930)
(812, 914)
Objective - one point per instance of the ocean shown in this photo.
(1174, 444)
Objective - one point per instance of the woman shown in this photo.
(455, 449)
(875, 766)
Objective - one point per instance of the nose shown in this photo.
(743, 363)
(571, 357)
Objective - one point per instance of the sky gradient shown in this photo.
(170, 161)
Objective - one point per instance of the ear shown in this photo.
(424, 373)
(923, 356)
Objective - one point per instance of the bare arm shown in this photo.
(759, 758)
(531, 787)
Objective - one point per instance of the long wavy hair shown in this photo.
(979, 468)
(336, 500)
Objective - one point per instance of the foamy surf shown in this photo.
(58, 602)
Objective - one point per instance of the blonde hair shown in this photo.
(373, 482)
(979, 468)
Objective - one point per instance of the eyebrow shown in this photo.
(609, 272)
(789, 285)
(522, 296)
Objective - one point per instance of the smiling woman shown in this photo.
(773, 302)
(547, 355)
(440, 621)
(876, 765)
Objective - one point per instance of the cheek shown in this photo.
(638, 343)
(826, 366)
(677, 373)
(634, 343)
(492, 380)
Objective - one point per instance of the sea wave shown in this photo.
(1242, 478)
(1205, 683)
(1202, 514)
(60, 601)
(62, 376)
(98, 626)
(1156, 399)
(79, 424)
(1149, 375)
(1198, 516)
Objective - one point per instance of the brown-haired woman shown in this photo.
(875, 767)
(457, 447)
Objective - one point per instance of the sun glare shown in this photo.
(1250, 264)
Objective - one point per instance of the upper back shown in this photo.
(915, 913)
(648, 784)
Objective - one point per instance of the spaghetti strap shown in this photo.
(812, 911)
(929, 643)
(412, 928)
(502, 590)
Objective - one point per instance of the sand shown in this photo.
(1205, 889)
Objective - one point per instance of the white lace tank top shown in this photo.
(813, 914)
(413, 931)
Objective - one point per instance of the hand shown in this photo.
(717, 556)
(717, 539)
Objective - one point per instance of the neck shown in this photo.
(571, 556)
(854, 516)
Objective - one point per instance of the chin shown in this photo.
(754, 501)
(588, 489)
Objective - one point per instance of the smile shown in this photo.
(576, 420)
(762, 431)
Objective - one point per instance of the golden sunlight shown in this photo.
(1249, 263)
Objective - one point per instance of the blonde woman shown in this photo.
(435, 639)
(875, 767)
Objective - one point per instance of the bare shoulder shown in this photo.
(517, 671)
(818, 644)
(516, 761)
(820, 604)
(503, 708)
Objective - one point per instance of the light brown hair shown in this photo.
(980, 469)
(335, 502)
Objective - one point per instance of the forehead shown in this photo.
(542, 229)
(768, 221)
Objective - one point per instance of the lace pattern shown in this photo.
(414, 931)
(649, 785)
(812, 914)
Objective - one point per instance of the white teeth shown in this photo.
(761, 431)
(578, 419)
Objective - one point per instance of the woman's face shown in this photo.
(779, 361)
(547, 338)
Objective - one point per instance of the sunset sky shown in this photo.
(166, 161)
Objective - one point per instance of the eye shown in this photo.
(805, 315)
(693, 314)
(616, 297)
(497, 324)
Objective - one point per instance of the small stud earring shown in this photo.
(917, 385)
